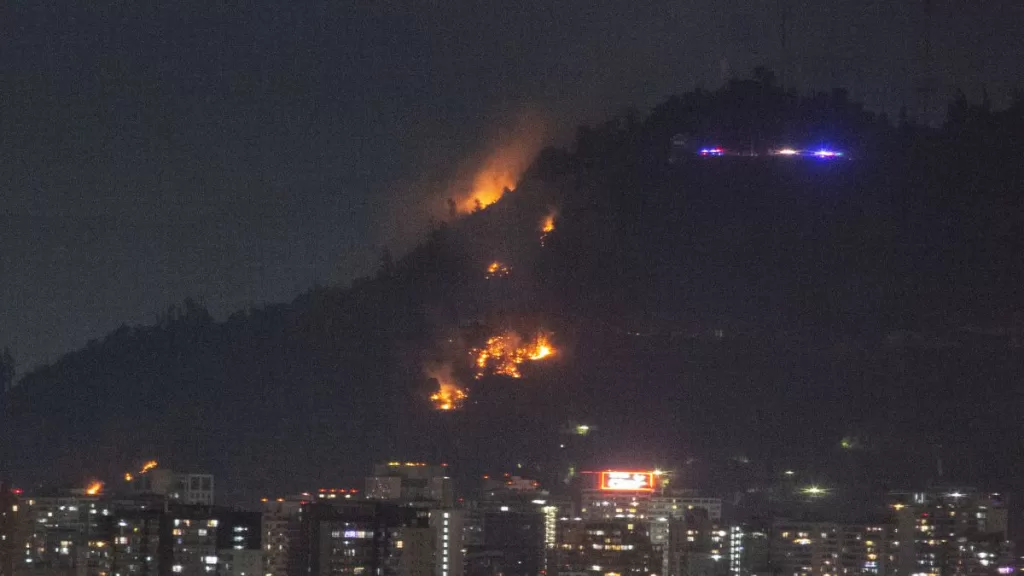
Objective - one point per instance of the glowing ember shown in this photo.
(503, 354)
(128, 477)
(95, 488)
(448, 397)
(148, 466)
(498, 269)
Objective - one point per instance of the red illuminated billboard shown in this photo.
(627, 481)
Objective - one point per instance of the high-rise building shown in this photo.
(186, 488)
(410, 482)
(10, 529)
(136, 546)
(749, 547)
(831, 549)
(188, 540)
(447, 542)
(511, 542)
(511, 529)
(350, 538)
(641, 496)
(282, 526)
(952, 531)
(662, 509)
(244, 562)
(64, 533)
(697, 546)
(602, 547)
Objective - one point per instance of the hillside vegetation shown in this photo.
(702, 309)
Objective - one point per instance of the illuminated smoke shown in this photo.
(95, 488)
(502, 168)
(547, 226)
(502, 354)
(450, 395)
(497, 269)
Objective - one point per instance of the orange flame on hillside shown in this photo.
(541, 348)
(504, 166)
(449, 395)
(503, 354)
(148, 466)
(95, 488)
(547, 226)
(497, 269)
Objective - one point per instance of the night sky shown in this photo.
(240, 152)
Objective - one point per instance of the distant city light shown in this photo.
(611, 480)
(790, 472)
(814, 491)
(787, 152)
(826, 153)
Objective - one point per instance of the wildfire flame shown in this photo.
(506, 163)
(541, 348)
(547, 226)
(95, 488)
(448, 397)
(148, 466)
(498, 269)
(504, 353)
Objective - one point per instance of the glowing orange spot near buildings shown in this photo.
(449, 397)
(497, 269)
(503, 354)
(95, 488)
(148, 466)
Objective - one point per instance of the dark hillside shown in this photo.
(713, 307)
